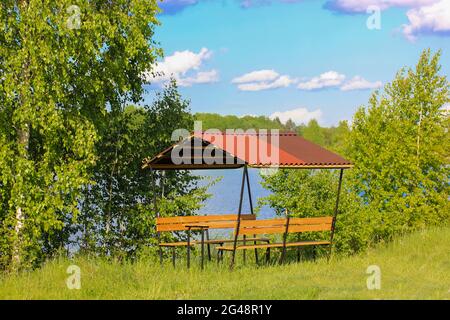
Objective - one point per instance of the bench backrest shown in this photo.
(225, 221)
(278, 226)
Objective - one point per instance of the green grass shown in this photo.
(413, 267)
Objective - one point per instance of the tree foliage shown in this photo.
(329, 137)
(117, 213)
(62, 67)
(399, 144)
(312, 193)
(217, 121)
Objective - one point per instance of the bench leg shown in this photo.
(208, 246)
(160, 256)
(173, 256)
(329, 253)
(256, 250)
(203, 248)
(220, 256)
(283, 254)
(267, 255)
(298, 248)
(244, 251)
(233, 255)
(189, 249)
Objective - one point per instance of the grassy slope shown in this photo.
(417, 266)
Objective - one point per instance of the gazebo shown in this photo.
(247, 149)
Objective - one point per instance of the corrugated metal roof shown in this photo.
(259, 149)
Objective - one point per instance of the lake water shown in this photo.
(226, 192)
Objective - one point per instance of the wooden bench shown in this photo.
(279, 226)
(189, 223)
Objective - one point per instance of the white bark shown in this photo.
(18, 228)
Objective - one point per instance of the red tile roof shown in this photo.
(257, 149)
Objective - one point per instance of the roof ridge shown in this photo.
(257, 133)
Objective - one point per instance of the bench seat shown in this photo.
(274, 245)
(218, 241)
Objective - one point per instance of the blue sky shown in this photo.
(298, 59)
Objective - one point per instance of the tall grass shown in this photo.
(414, 267)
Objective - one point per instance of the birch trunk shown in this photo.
(23, 140)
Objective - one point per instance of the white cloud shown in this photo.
(182, 61)
(299, 115)
(433, 18)
(359, 83)
(184, 67)
(262, 80)
(270, 79)
(333, 79)
(256, 76)
(281, 82)
(201, 77)
(328, 79)
(360, 6)
(424, 16)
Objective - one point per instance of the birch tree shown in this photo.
(63, 63)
